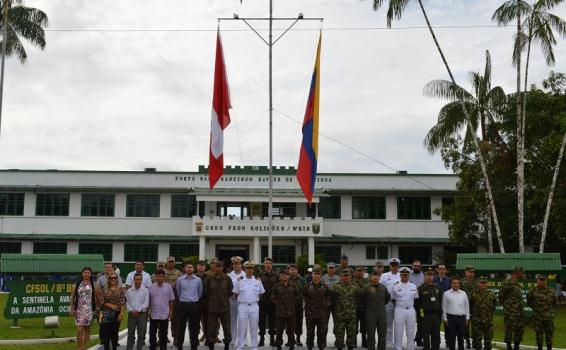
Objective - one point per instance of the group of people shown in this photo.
(402, 303)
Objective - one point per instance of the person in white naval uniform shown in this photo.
(404, 293)
(389, 279)
(236, 275)
(247, 292)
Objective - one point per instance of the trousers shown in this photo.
(376, 320)
(266, 317)
(213, 328)
(248, 316)
(404, 320)
(430, 330)
(390, 314)
(156, 326)
(455, 329)
(321, 325)
(285, 324)
(136, 325)
(188, 313)
(234, 321)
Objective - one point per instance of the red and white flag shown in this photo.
(220, 117)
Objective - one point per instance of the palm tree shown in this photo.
(539, 25)
(395, 10)
(484, 104)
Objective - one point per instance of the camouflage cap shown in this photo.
(249, 264)
(360, 268)
(284, 271)
(201, 262)
(379, 264)
(161, 263)
(346, 272)
(236, 259)
(541, 276)
(518, 269)
(331, 265)
(213, 260)
(317, 270)
(429, 271)
(469, 268)
(482, 279)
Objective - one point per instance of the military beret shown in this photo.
(429, 271)
(249, 264)
(405, 271)
(469, 268)
(346, 272)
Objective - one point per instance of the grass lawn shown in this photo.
(62, 346)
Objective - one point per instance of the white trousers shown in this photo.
(389, 313)
(248, 315)
(405, 319)
(234, 320)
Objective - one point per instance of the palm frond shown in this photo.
(520, 42)
(445, 89)
(15, 46)
(557, 24)
(510, 10)
(451, 120)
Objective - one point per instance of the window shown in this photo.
(413, 208)
(183, 206)
(50, 247)
(12, 203)
(97, 248)
(311, 210)
(368, 207)
(143, 205)
(52, 204)
(409, 253)
(11, 247)
(233, 209)
(280, 210)
(97, 204)
(380, 252)
(201, 209)
(331, 253)
(146, 252)
(329, 207)
(282, 254)
(180, 251)
(446, 203)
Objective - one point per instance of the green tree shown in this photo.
(395, 11)
(539, 24)
(27, 23)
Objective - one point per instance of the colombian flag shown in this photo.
(306, 171)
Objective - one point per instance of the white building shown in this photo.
(150, 215)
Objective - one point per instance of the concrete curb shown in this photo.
(41, 341)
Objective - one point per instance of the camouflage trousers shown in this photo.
(482, 330)
(514, 326)
(543, 327)
(349, 326)
(321, 325)
(285, 324)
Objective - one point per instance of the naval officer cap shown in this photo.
(394, 261)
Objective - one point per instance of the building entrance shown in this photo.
(226, 252)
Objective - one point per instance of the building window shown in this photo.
(97, 248)
(180, 251)
(11, 247)
(446, 203)
(201, 208)
(409, 253)
(413, 208)
(97, 204)
(368, 207)
(143, 205)
(329, 207)
(232, 209)
(282, 254)
(183, 206)
(12, 204)
(311, 210)
(288, 210)
(52, 204)
(380, 252)
(144, 251)
(50, 247)
(330, 253)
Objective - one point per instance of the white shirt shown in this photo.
(404, 294)
(455, 303)
(248, 290)
(388, 279)
(235, 278)
(137, 299)
(146, 279)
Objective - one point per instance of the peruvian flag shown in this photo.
(220, 117)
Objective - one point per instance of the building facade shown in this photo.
(150, 215)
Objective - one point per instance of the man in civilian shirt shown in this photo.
(404, 294)
(417, 278)
(330, 279)
(441, 280)
(137, 302)
(161, 309)
(455, 314)
(146, 278)
(247, 292)
(236, 275)
(189, 289)
(388, 279)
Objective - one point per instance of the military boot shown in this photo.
(298, 342)
(517, 346)
(271, 340)
(321, 348)
(539, 346)
(509, 347)
(468, 344)
(549, 347)
(291, 347)
(364, 341)
(211, 346)
(350, 348)
(226, 346)
(278, 347)
(261, 340)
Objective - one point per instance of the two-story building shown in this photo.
(126, 215)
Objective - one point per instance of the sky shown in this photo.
(125, 85)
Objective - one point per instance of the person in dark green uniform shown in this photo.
(346, 296)
(269, 278)
(482, 307)
(284, 297)
(361, 283)
(511, 298)
(468, 284)
(317, 300)
(375, 296)
(429, 306)
(542, 300)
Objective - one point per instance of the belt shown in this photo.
(405, 307)
(248, 304)
(431, 312)
(188, 302)
(456, 315)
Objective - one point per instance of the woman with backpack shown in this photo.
(84, 303)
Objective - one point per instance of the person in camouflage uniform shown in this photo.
(268, 278)
(171, 276)
(482, 307)
(201, 273)
(346, 296)
(317, 300)
(299, 283)
(542, 300)
(361, 283)
(429, 306)
(218, 289)
(511, 298)
(468, 284)
(375, 296)
(284, 297)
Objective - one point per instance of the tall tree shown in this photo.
(539, 25)
(395, 11)
(485, 105)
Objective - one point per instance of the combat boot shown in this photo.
(509, 347)
(321, 348)
(350, 348)
(539, 346)
(278, 347)
(291, 347)
(364, 341)
(517, 346)
(298, 342)
(226, 346)
(549, 347)
(468, 344)
(261, 340)
(211, 346)
(271, 340)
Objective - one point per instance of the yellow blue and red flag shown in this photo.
(308, 159)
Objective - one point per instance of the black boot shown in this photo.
(309, 347)
(539, 346)
(298, 342)
(211, 346)
(509, 347)
(468, 344)
(364, 341)
(278, 347)
(549, 347)
(261, 340)
(321, 348)
(271, 340)
(350, 348)
(226, 346)
(517, 346)
(291, 347)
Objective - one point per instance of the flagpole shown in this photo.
(270, 43)
(4, 43)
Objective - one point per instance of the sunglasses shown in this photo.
(113, 278)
